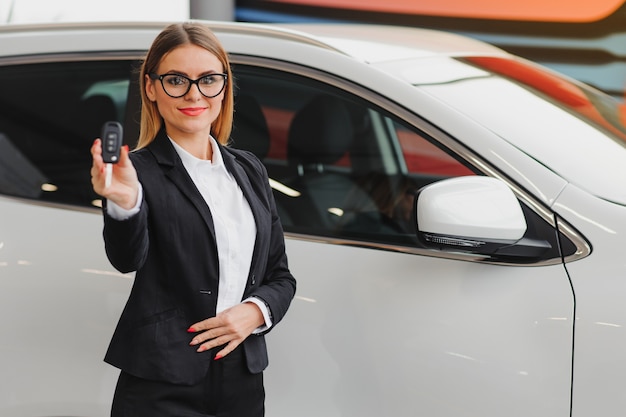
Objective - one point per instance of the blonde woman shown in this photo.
(197, 222)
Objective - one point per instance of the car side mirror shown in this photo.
(474, 214)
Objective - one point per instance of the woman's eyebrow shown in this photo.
(210, 72)
(202, 74)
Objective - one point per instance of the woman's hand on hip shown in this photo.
(124, 187)
(230, 328)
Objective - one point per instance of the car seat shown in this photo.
(320, 134)
(250, 130)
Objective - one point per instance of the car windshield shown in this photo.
(574, 130)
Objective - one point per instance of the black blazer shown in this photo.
(171, 244)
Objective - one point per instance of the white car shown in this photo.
(455, 217)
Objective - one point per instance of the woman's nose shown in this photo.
(194, 92)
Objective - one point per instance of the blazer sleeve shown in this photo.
(126, 241)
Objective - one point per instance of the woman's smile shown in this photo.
(192, 111)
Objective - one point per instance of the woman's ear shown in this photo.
(150, 92)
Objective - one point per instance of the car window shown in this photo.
(50, 113)
(338, 165)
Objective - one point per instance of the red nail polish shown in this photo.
(217, 357)
(125, 148)
(191, 330)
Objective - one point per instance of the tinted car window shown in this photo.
(50, 113)
(339, 166)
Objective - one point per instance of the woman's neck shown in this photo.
(200, 147)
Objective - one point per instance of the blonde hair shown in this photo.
(171, 37)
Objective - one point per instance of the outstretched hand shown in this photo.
(230, 327)
(124, 187)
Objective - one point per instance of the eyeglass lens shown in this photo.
(178, 85)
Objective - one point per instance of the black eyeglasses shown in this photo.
(176, 85)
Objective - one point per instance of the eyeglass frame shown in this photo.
(154, 76)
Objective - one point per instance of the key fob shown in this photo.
(111, 142)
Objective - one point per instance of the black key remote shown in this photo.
(111, 142)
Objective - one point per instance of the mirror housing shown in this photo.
(474, 214)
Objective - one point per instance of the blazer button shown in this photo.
(206, 292)
(253, 280)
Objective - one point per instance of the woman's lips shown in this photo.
(192, 111)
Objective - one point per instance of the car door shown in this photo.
(59, 296)
(383, 324)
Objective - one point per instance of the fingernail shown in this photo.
(191, 330)
(125, 148)
(217, 357)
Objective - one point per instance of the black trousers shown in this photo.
(229, 390)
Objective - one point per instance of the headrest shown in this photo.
(250, 129)
(320, 133)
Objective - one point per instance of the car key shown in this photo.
(112, 133)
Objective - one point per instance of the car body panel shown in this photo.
(60, 299)
(600, 294)
(361, 328)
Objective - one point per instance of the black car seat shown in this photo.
(320, 134)
(250, 130)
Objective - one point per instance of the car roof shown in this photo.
(368, 43)
(395, 42)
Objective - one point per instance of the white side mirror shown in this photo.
(473, 207)
(477, 215)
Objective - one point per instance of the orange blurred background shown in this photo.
(535, 10)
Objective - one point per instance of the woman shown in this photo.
(198, 223)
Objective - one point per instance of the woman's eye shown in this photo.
(209, 79)
(176, 80)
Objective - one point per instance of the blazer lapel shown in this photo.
(242, 179)
(173, 168)
(261, 215)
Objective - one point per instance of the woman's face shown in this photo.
(191, 115)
